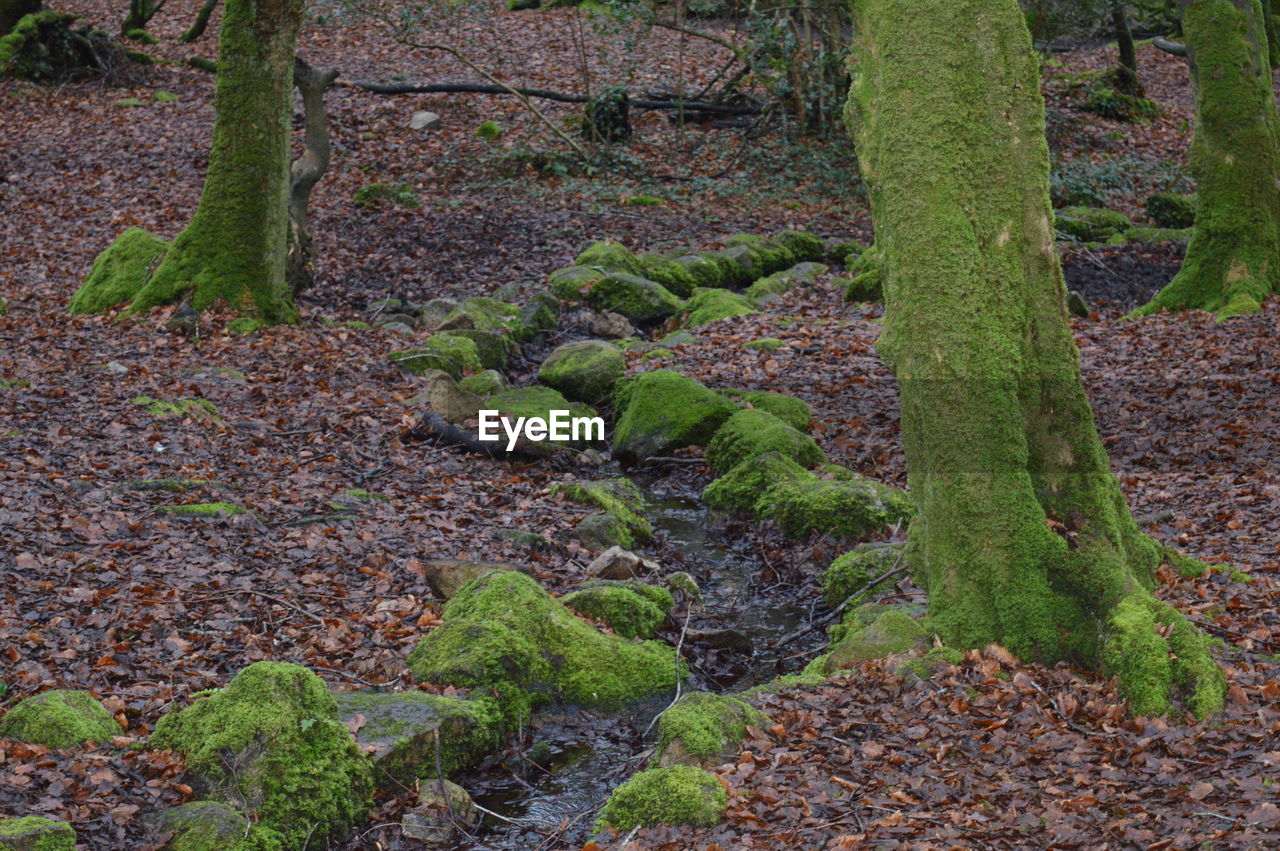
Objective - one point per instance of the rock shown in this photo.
(569, 283)
(412, 735)
(396, 319)
(674, 795)
(619, 498)
(704, 729)
(585, 371)
(487, 314)
(607, 325)
(444, 811)
(436, 311)
(610, 257)
(445, 397)
(33, 833)
(631, 608)
(1167, 210)
(852, 572)
(672, 274)
(201, 824)
(1076, 305)
(662, 411)
(398, 327)
(452, 354)
(750, 433)
(617, 563)
(539, 402)
(892, 632)
(425, 121)
(484, 383)
(792, 411)
(492, 347)
(447, 576)
(456, 321)
(799, 275)
(540, 313)
(598, 532)
(526, 540)
(59, 719)
(271, 738)
(641, 300)
(710, 305)
(803, 245)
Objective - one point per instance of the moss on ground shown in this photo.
(703, 729)
(400, 194)
(34, 833)
(120, 272)
(661, 411)
(753, 432)
(179, 407)
(743, 487)
(711, 305)
(674, 795)
(764, 344)
(619, 498)
(454, 355)
(631, 608)
(203, 509)
(1090, 224)
(61, 718)
(1167, 210)
(271, 740)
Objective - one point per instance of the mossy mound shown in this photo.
(504, 632)
(854, 571)
(1167, 210)
(271, 742)
(484, 383)
(413, 735)
(660, 411)
(743, 487)
(753, 432)
(673, 275)
(1150, 236)
(619, 498)
(936, 659)
(59, 719)
(804, 246)
(764, 344)
(201, 826)
(792, 411)
(489, 314)
(571, 282)
(120, 272)
(540, 313)
(704, 270)
(891, 632)
(540, 402)
(763, 257)
(844, 251)
(493, 348)
(842, 509)
(400, 194)
(1090, 224)
(675, 795)
(33, 833)
(586, 371)
(865, 281)
(611, 257)
(203, 509)
(710, 305)
(642, 301)
(600, 531)
(454, 355)
(632, 609)
(1108, 102)
(704, 729)
(800, 275)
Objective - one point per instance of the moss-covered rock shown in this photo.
(764, 344)
(1151, 236)
(640, 300)
(454, 355)
(743, 487)
(854, 571)
(1090, 224)
(571, 282)
(675, 795)
(892, 632)
(675, 276)
(59, 719)
(936, 659)
(710, 305)
(600, 531)
(448, 576)
(619, 498)
(660, 411)
(865, 287)
(493, 348)
(704, 270)
(33, 833)
(484, 383)
(540, 313)
(611, 257)
(271, 742)
(844, 251)
(800, 275)
(201, 826)
(804, 246)
(586, 371)
(446, 397)
(753, 432)
(400, 194)
(792, 411)
(504, 632)
(843, 509)
(631, 608)
(764, 256)
(539, 402)
(485, 314)
(412, 735)
(119, 272)
(1167, 210)
(704, 729)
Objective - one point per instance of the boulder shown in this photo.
(632, 609)
(617, 563)
(799, 275)
(803, 245)
(753, 432)
(610, 257)
(618, 497)
(484, 383)
(34, 833)
(1167, 210)
(444, 813)
(1090, 224)
(448, 576)
(425, 121)
(661, 411)
(672, 795)
(600, 531)
(540, 313)
(607, 325)
(892, 632)
(492, 347)
(704, 729)
(585, 371)
(852, 572)
(539, 402)
(436, 311)
(201, 825)
(710, 305)
(59, 719)
(454, 355)
(792, 411)
(569, 283)
(446, 397)
(641, 300)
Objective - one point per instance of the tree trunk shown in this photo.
(1272, 10)
(234, 249)
(1127, 71)
(1022, 536)
(201, 22)
(1233, 261)
(140, 14)
(305, 172)
(12, 11)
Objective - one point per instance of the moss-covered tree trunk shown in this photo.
(1233, 261)
(234, 249)
(12, 11)
(1127, 70)
(1022, 537)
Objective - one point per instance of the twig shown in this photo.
(898, 567)
(688, 612)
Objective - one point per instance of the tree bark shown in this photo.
(12, 11)
(1233, 260)
(140, 14)
(306, 171)
(1022, 536)
(201, 22)
(1127, 70)
(234, 250)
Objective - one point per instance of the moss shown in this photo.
(704, 270)
(812, 675)
(586, 370)
(671, 274)
(710, 305)
(486, 314)
(34, 833)
(799, 275)
(484, 383)
(1107, 102)
(400, 194)
(202, 826)
(843, 509)
(855, 570)
(598, 532)
(804, 246)
(203, 509)
(570, 283)
(271, 739)
(128, 103)
(1089, 224)
(643, 201)
(1167, 210)
(619, 498)
(792, 411)
(119, 272)
(180, 408)
(892, 632)
(59, 719)
(743, 487)
(611, 257)
(631, 609)
(675, 795)
(868, 286)
(751, 433)
(703, 728)
(493, 348)
(454, 355)
(764, 256)
(639, 299)
(845, 251)
(363, 495)
(661, 411)
(164, 97)
(539, 402)
(931, 662)
(764, 344)
(170, 485)
(504, 632)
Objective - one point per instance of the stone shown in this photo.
(631, 608)
(607, 325)
(663, 410)
(585, 371)
(425, 121)
(445, 397)
(201, 824)
(396, 319)
(34, 833)
(436, 311)
(484, 383)
(1076, 305)
(601, 531)
(493, 348)
(444, 812)
(61, 718)
(642, 301)
(617, 563)
(892, 632)
(448, 576)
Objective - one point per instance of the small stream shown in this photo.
(732, 643)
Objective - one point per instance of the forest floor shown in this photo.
(101, 589)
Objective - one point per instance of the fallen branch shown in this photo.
(1167, 46)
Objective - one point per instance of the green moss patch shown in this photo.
(673, 275)
(120, 272)
(493, 348)
(1167, 210)
(675, 795)
(804, 246)
(632, 609)
(194, 408)
(753, 432)
(763, 256)
(454, 355)
(842, 509)
(711, 305)
(611, 257)
(203, 509)
(33, 833)
(743, 487)
(586, 371)
(202, 826)
(764, 344)
(1090, 224)
(400, 194)
(619, 498)
(59, 719)
(639, 299)
(270, 741)
(800, 275)
(663, 410)
(484, 383)
(792, 411)
(704, 729)
(892, 632)
(855, 571)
